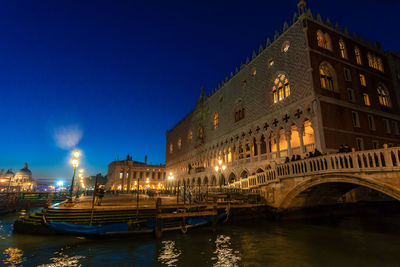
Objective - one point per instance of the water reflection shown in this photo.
(63, 259)
(225, 255)
(169, 254)
(13, 256)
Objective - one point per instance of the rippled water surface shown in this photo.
(350, 241)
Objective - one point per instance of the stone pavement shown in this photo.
(122, 201)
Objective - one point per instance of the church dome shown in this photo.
(9, 173)
(24, 171)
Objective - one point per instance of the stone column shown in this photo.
(258, 143)
(301, 131)
(288, 136)
(278, 153)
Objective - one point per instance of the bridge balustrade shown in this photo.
(368, 160)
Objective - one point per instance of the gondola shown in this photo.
(130, 227)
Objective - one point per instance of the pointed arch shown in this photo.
(327, 77)
(342, 48)
(383, 95)
(280, 87)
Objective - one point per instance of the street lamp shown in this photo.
(75, 164)
(80, 175)
(219, 169)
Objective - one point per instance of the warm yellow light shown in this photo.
(81, 171)
(170, 173)
(216, 168)
(3, 180)
(76, 153)
(223, 167)
(220, 162)
(75, 163)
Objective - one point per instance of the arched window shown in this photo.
(342, 47)
(326, 77)
(281, 88)
(383, 95)
(215, 120)
(179, 143)
(171, 148)
(320, 39)
(201, 133)
(324, 40)
(190, 136)
(358, 55)
(375, 62)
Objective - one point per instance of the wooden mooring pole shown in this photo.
(158, 231)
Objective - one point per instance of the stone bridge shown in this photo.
(324, 180)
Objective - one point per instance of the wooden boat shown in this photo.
(130, 227)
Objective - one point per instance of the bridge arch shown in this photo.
(327, 189)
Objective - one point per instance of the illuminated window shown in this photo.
(358, 55)
(215, 120)
(179, 143)
(271, 62)
(244, 83)
(342, 47)
(281, 88)
(383, 95)
(362, 80)
(253, 72)
(201, 133)
(326, 77)
(375, 62)
(190, 136)
(171, 148)
(366, 99)
(285, 46)
(324, 40)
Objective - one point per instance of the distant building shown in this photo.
(20, 181)
(90, 181)
(314, 86)
(124, 175)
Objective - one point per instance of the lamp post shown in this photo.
(75, 164)
(219, 169)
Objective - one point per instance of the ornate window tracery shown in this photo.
(326, 77)
(281, 88)
(383, 95)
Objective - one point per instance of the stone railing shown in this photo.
(385, 159)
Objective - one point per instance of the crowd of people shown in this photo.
(311, 154)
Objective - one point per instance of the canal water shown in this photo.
(372, 240)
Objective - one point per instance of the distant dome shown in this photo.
(9, 172)
(24, 171)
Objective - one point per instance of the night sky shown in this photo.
(110, 77)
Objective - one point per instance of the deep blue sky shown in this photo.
(123, 72)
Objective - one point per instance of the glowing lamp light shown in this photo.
(76, 153)
(220, 162)
(223, 167)
(2, 180)
(216, 168)
(75, 163)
